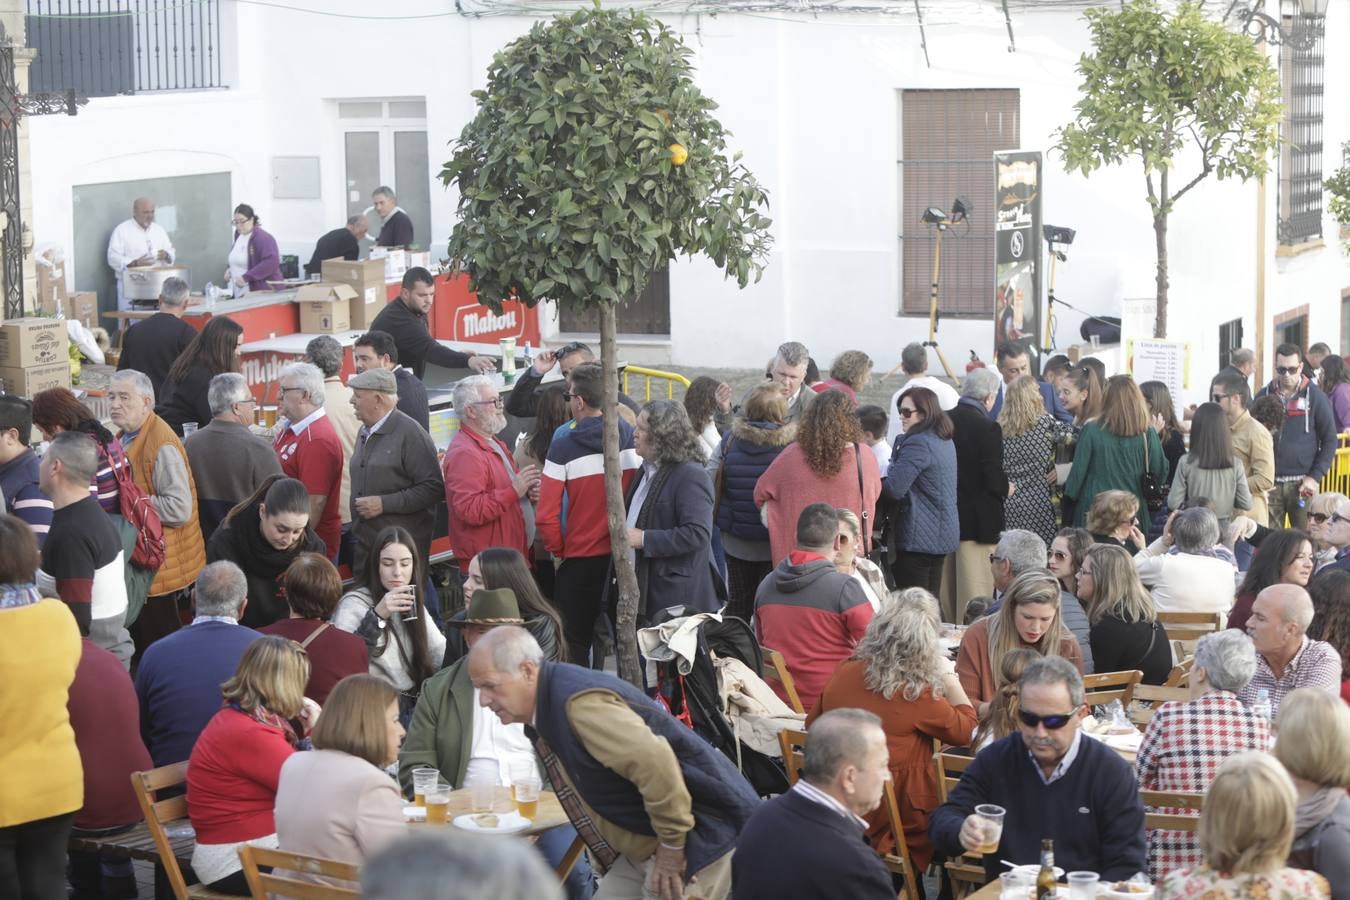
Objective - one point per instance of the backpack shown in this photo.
(140, 512)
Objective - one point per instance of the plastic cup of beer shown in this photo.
(482, 793)
(438, 804)
(526, 791)
(991, 817)
(519, 769)
(1015, 885)
(425, 779)
(189, 428)
(508, 348)
(1083, 885)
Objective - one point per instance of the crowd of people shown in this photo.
(172, 590)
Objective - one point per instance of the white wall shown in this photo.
(812, 103)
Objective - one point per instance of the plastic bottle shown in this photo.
(1261, 705)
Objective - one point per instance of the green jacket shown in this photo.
(441, 731)
(1104, 462)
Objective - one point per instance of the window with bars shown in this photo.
(948, 139)
(1300, 189)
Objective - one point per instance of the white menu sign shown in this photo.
(1165, 361)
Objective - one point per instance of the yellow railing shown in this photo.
(670, 378)
(1338, 476)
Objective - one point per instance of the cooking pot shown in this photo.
(146, 282)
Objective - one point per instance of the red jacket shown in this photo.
(232, 778)
(484, 508)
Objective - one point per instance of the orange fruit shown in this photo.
(678, 154)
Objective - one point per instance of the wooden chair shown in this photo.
(1102, 688)
(162, 814)
(267, 884)
(1170, 800)
(1147, 699)
(1185, 628)
(775, 667)
(793, 743)
(1180, 675)
(967, 871)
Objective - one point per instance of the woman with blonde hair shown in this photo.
(1245, 832)
(898, 672)
(1126, 633)
(827, 464)
(1030, 435)
(236, 763)
(1030, 618)
(1115, 451)
(850, 372)
(1314, 747)
(1320, 509)
(848, 561)
(1001, 719)
(338, 802)
(1080, 392)
(1113, 519)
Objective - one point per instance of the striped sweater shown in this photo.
(574, 474)
(23, 497)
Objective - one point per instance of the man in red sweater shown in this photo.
(809, 611)
(310, 451)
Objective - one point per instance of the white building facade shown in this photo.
(816, 101)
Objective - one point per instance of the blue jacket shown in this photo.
(744, 454)
(722, 799)
(922, 476)
(1048, 396)
(23, 497)
(675, 565)
(1307, 441)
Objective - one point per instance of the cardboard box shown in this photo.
(325, 308)
(82, 306)
(420, 258)
(28, 381)
(366, 277)
(33, 342)
(395, 265)
(51, 288)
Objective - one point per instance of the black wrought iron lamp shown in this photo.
(1263, 26)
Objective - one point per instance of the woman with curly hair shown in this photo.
(704, 399)
(829, 463)
(212, 352)
(1030, 435)
(922, 472)
(850, 372)
(898, 672)
(670, 515)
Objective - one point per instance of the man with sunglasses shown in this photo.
(1252, 443)
(1307, 443)
(1054, 782)
(523, 401)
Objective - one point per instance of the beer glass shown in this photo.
(526, 791)
(438, 804)
(425, 778)
(991, 817)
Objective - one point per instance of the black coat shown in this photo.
(412, 337)
(412, 397)
(151, 347)
(241, 542)
(337, 243)
(185, 400)
(675, 565)
(981, 483)
(397, 231)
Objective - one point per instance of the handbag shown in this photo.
(141, 513)
(1155, 494)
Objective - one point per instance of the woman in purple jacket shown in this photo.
(254, 260)
(1335, 384)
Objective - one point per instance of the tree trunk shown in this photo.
(625, 630)
(1160, 239)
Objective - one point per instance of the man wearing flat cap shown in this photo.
(455, 734)
(394, 474)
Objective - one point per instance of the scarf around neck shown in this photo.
(1314, 808)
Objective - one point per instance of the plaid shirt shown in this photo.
(1182, 749)
(1315, 665)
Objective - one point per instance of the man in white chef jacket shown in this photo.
(139, 241)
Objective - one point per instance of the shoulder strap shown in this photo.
(862, 499)
(315, 633)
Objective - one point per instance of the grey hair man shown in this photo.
(309, 448)
(523, 401)
(414, 867)
(179, 677)
(1286, 658)
(1107, 836)
(787, 369)
(810, 841)
(397, 227)
(914, 363)
(227, 459)
(82, 558)
(1019, 551)
(326, 353)
(981, 385)
(154, 343)
(657, 805)
(1194, 578)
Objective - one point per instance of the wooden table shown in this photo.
(549, 815)
(988, 892)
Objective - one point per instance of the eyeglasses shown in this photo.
(495, 401)
(994, 557)
(1053, 723)
(285, 389)
(1219, 398)
(1318, 518)
(1288, 370)
(1059, 554)
(574, 347)
(252, 400)
(238, 221)
(1337, 517)
(907, 412)
(567, 396)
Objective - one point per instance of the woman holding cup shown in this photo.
(389, 613)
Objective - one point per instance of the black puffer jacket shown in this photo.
(240, 541)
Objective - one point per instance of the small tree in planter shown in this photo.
(1155, 86)
(592, 161)
(1338, 186)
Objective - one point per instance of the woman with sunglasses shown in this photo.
(1284, 557)
(1066, 555)
(1113, 518)
(1320, 510)
(1029, 618)
(923, 474)
(1126, 633)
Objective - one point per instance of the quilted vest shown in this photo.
(722, 798)
(184, 551)
(743, 464)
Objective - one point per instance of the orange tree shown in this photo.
(593, 160)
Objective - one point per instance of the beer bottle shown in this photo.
(1045, 881)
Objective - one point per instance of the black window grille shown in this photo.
(1302, 67)
(948, 140)
(101, 48)
(1230, 339)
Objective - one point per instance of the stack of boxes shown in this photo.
(325, 308)
(34, 356)
(366, 277)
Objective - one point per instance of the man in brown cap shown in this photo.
(394, 474)
(452, 732)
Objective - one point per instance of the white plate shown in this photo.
(507, 823)
(415, 813)
(1034, 869)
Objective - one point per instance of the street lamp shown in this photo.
(1262, 26)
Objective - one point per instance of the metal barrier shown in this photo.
(670, 378)
(1338, 476)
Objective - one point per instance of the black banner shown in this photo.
(1017, 251)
